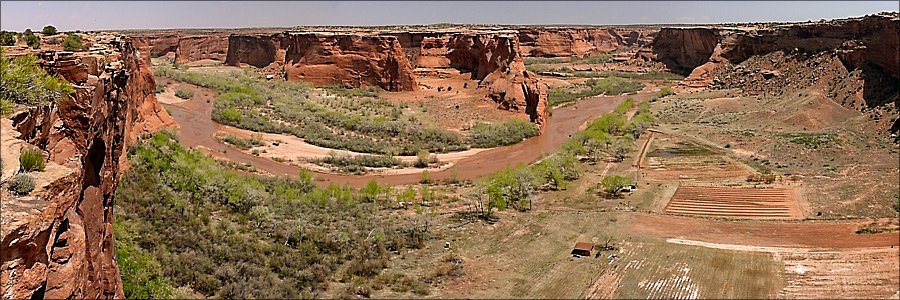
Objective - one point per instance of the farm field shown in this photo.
(752, 203)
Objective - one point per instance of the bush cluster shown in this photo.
(508, 132)
(184, 94)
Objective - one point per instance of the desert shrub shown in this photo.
(159, 87)
(767, 178)
(508, 132)
(423, 158)
(31, 160)
(545, 60)
(142, 276)
(184, 93)
(73, 42)
(652, 75)
(24, 82)
(48, 30)
(594, 59)
(22, 184)
(664, 91)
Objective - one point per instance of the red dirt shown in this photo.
(749, 203)
(805, 234)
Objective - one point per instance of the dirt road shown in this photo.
(198, 129)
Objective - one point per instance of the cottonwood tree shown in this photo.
(612, 185)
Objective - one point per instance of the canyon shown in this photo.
(58, 241)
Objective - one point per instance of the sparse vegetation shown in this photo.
(22, 184)
(664, 91)
(159, 87)
(811, 140)
(32, 160)
(362, 123)
(593, 87)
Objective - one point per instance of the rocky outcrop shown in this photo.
(871, 40)
(496, 60)
(201, 47)
(58, 242)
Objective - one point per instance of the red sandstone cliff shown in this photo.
(201, 47)
(562, 42)
(346, 59)
(870, 40)
(57, 242)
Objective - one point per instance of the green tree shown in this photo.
(510, 187)
(370, 191)
(73, 42)
(7, 38)
(49, 30)
(24, 82)
(30, 39)
(612, 185)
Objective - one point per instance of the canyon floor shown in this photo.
(694, 228)
(459, 162)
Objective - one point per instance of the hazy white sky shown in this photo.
(94, 15)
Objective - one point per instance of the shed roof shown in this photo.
(584, 246)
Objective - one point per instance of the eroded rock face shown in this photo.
(201, 47)
(496, 60)
(346, 59)
(870, 40)
(58, 242)
(564, 42)
(683, 49)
